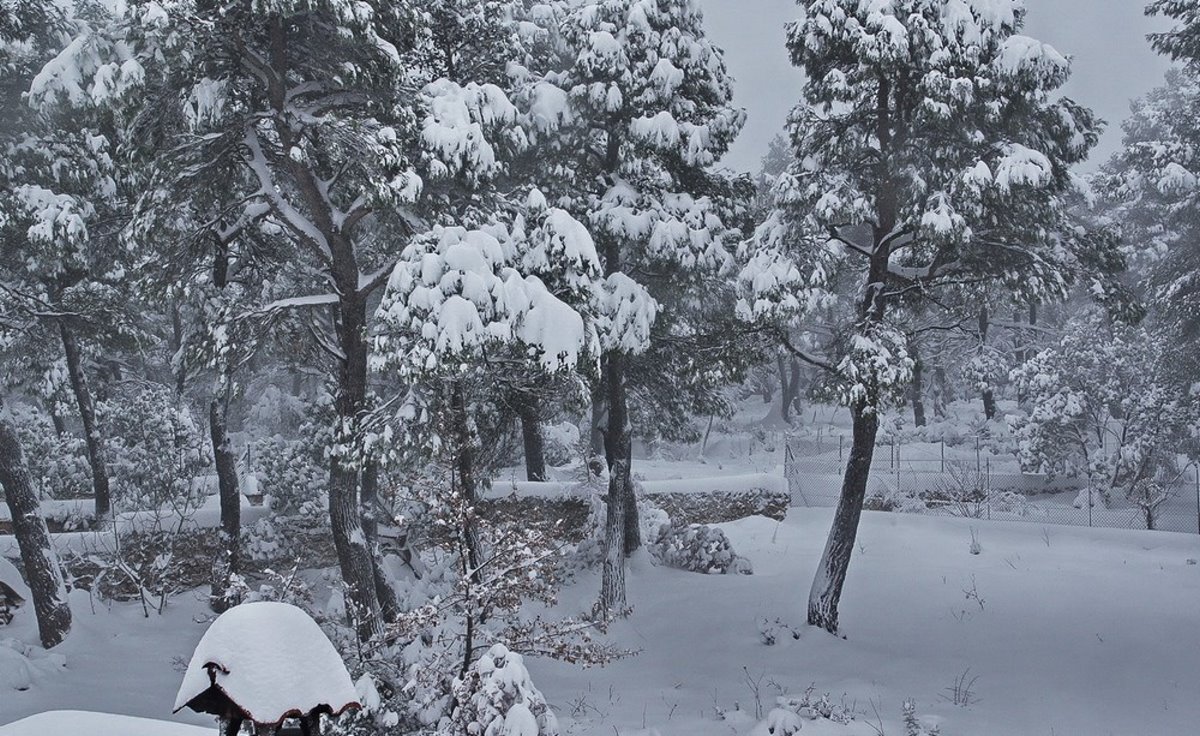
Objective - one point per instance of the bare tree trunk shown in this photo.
(531, 434)
(785, 394)
(599, 420)
(464, 467)
(916, 390)
(617, 449)
(354, 555)
(384, 588)
(60, 426)
(989, 398)
(87, 413)
(941, 390)
(228, 561)
(826, 590)
(37, 551)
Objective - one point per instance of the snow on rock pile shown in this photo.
(272, 660)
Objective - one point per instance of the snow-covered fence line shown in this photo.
(982, 489)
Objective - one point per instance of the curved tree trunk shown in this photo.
(37, 551)
(826, 590)
(87, 413)
(531, 434)
(228, 561)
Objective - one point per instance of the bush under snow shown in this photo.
(698, 548)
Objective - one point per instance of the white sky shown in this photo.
(1106, 39)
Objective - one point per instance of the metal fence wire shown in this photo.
(977, 487)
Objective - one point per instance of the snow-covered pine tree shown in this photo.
(929, 151)
(1150, 189)
(302, 111)
(629, 127)
(463, 305)
(62, 265)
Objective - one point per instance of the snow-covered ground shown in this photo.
(1073, 631)
(1068, 630)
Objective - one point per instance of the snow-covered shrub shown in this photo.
(789, 714)
(561, 443)
(698, 548)
(779, 722)
(155, 449)
(888, 497)
(1088, 496)
(496, 697)
(912, 723)
(291, 473)
(770, 632)
(57, 463)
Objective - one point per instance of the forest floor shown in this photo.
(1053, 630)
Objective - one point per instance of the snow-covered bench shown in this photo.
(265, 663)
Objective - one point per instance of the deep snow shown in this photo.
(1080, 631)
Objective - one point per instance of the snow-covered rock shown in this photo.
(272, 660)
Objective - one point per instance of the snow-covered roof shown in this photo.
(272, 660)
(12, 578)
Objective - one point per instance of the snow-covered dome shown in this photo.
(273, 661)
(11, 578)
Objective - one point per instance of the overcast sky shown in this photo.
(1112, 61)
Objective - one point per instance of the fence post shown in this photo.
(988, 489)
(841, 441)
(978, 469)
(1196, 472)
(943, 444)
(1089, 499)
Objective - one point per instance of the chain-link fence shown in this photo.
(967, 481)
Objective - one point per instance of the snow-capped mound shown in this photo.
(272, 660)
(10, 577)
(97, 724)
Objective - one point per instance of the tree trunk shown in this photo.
(531, 433)
(794, 385)
(228, 561)
(60, 426)
(989, 398)
(941, 391)
(345, 516)
(617, 451)
(37, 552)
(599, 420)
(87, 413)
(464, 473)
(916, 390)
(385, 590)
(826, 590)
(785, 394)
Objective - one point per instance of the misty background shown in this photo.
(1112, 62)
